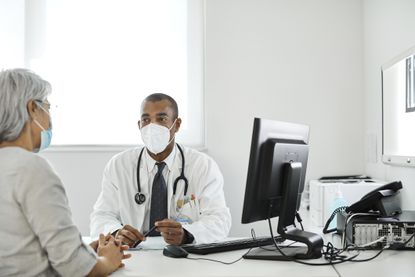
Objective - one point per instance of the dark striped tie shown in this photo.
(158, 209)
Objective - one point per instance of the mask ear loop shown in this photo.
(174, 122)
(37, 122)
(40, 106)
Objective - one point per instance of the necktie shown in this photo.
(158, 209)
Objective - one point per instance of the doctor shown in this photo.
(174, 188)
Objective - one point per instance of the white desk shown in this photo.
(153, 263)
(389, 264)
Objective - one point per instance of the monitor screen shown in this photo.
(274, 145)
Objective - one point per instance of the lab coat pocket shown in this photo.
(188, 213)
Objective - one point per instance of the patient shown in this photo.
(38, 237)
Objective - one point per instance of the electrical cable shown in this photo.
(331, 250)
(401, 245)
(347, 221)
(331, 253)
(369, 259)
(333, 214)
(371, 243)
(299, 219)
(392, 247)
(253, 235)
(222, 262)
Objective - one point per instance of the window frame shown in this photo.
(410, 84)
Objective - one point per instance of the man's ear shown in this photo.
(139, 126)
(178, 123)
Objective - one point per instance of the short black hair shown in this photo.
(155, 97)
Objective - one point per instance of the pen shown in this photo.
(145, 235)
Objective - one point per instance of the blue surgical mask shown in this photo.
(45, 135)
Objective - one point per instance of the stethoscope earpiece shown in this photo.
(140, 198)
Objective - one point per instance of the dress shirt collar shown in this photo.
(151, 163)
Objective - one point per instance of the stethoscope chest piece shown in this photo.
(140, 198)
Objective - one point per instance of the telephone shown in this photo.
(385, 199)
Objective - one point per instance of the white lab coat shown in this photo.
(210, 219)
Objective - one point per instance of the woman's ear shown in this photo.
(31, 108)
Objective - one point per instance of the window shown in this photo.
(410, 86)
(398, 117)
(103, 57)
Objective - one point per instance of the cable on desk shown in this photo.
(330, 248)
(222, 262)
(369, 259)
(395, 246)
(332, 253)
(253, 235)
(271, 248)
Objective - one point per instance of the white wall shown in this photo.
(11, 39)
(389, 30)
(298, 61)
(81, 173)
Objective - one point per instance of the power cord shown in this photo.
(401, 245)
(336, 211)
(299, 219)
(347, 221)
(395, 246)
(222, 262)
(332, 254)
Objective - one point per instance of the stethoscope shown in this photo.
(140, 198)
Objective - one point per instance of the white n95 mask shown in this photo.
(156, 137)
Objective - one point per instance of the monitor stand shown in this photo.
(312, 250)
(286, 227)
(271, 253)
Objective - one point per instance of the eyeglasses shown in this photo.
(46, 105)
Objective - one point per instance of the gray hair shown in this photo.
(17, 87)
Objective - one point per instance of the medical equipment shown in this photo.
(140, 198)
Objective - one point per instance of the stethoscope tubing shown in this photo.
(140, 198)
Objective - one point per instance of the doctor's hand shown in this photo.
(129, 235)
(172, 231)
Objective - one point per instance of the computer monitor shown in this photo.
(275, 182)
